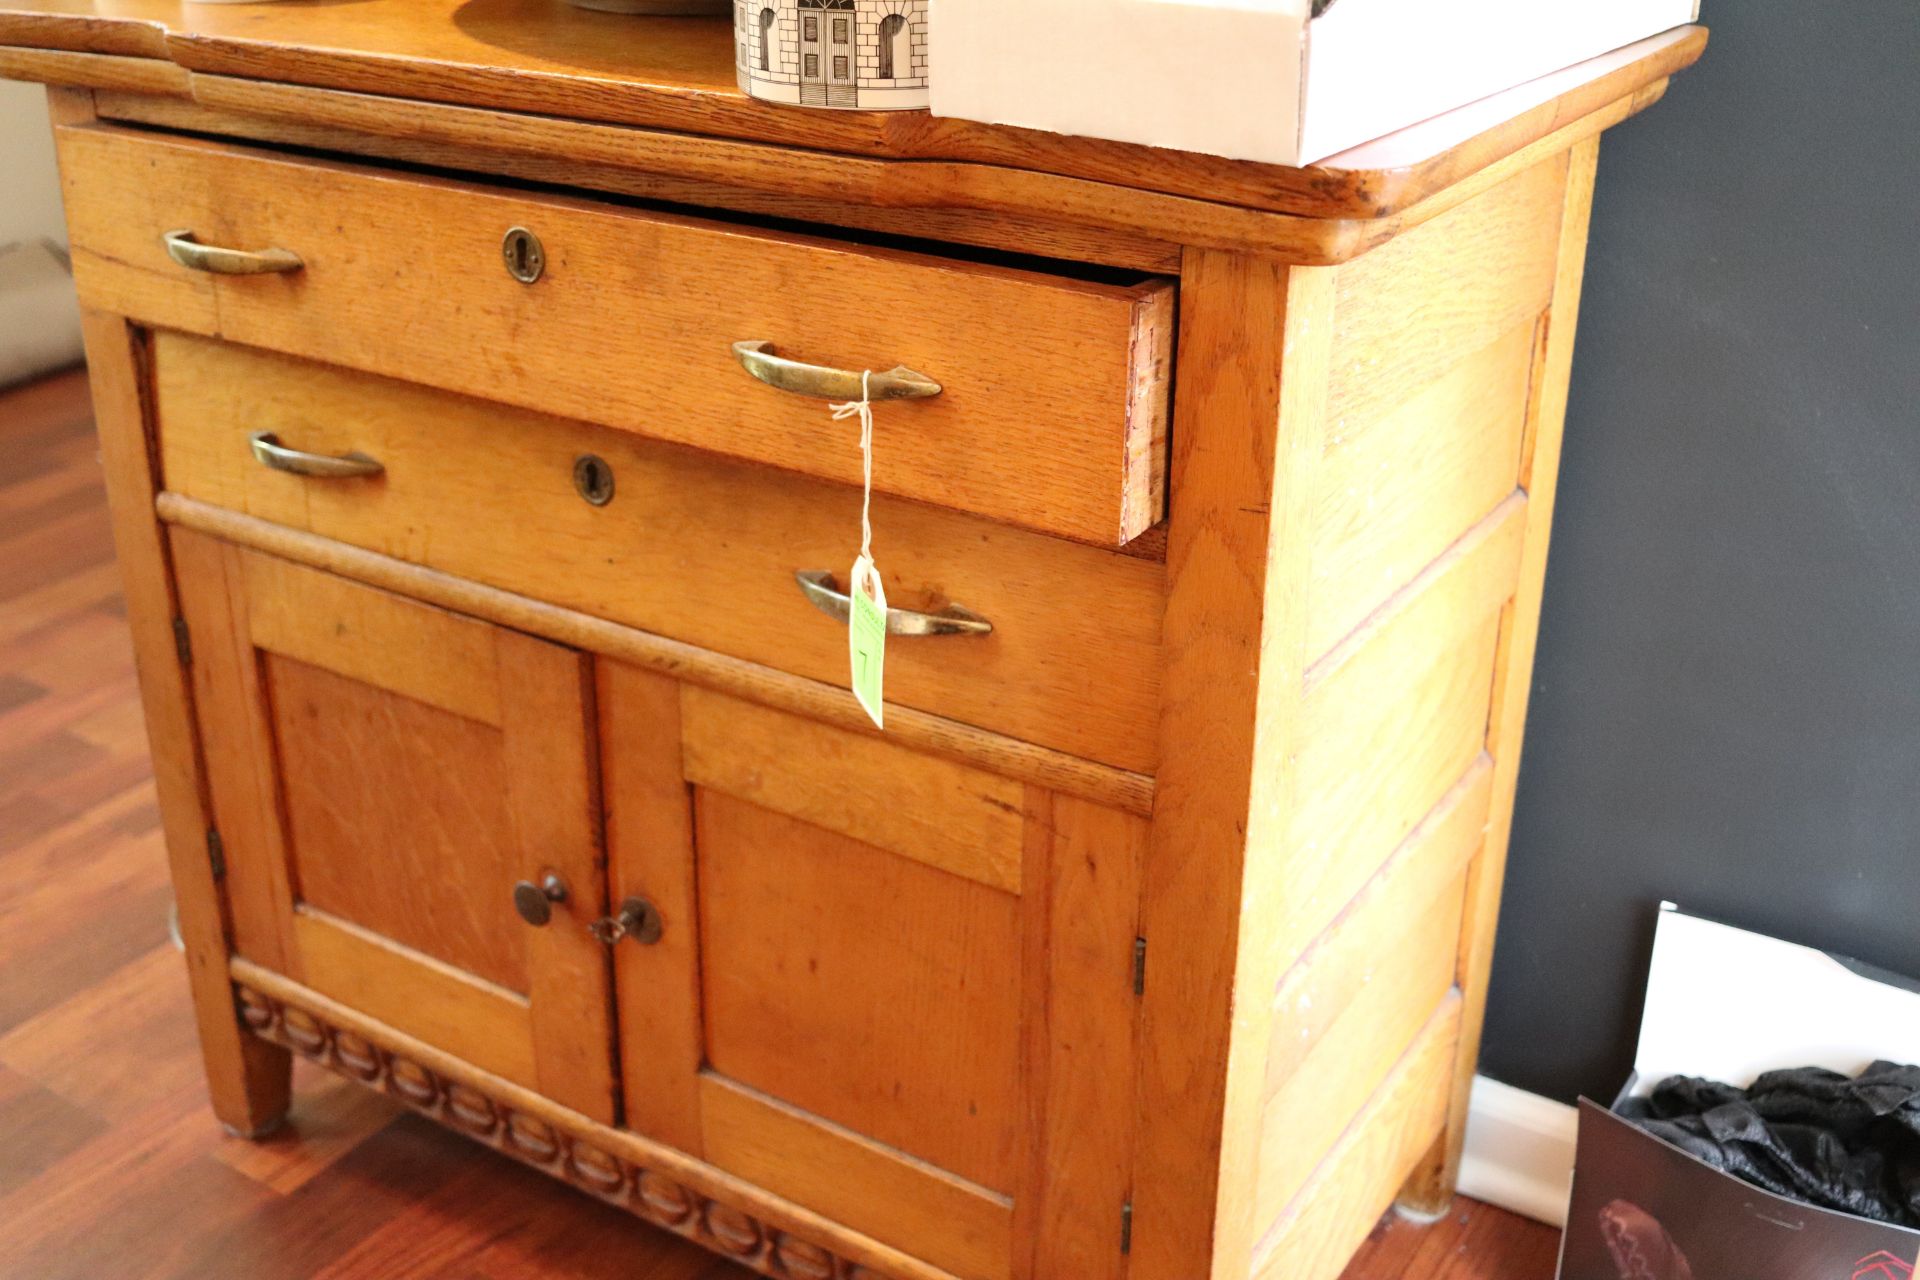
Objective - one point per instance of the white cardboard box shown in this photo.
(1727, 1005)
(1259, 79)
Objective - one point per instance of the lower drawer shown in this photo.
(692, 546)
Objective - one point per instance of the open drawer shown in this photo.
(1052, 390)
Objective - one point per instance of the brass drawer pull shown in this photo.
(321, 466)
(900, 383)
(817, 585)
(188, 252)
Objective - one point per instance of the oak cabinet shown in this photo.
(466, 414)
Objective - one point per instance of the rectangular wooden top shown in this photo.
(549, 58)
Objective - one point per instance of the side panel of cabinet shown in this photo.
(382, 774)
(891, 987)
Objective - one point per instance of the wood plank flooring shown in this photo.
(111, 1167)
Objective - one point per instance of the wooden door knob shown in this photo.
(535, 902)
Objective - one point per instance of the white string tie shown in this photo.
(863, 409)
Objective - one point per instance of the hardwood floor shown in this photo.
(111, 1167)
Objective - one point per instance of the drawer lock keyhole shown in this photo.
(525, 256)
(593, 478)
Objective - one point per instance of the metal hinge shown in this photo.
(216, 854)
(1126, 1227)
(182, 642)
(1139, 966)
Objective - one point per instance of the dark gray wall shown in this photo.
(1726, 710)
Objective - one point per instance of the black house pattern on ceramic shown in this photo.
(869, 54)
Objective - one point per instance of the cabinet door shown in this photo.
(383, 775)
(890, 987)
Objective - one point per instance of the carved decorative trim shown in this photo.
(722, 1228)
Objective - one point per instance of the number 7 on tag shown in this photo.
(867, 636)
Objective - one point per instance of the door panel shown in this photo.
(382, 774)
(893, 988)
(873, 991)
(365, 766)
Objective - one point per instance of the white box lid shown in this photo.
(1728, 1004)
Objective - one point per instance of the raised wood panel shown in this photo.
(934, 811)
(1073, 662)
(378, 837)
(1357, 806)
(1319, 1231)
(1312, 1106)
(487, 1025)
(878, 993)
(1431, 1187)
(423, 653)
(650, 856)
(870, 1188)
(1419, 305)
(1081, 912)
(1399, 488)
(1392, 720)
(651, 303)
(236, 738)
(1342, 962)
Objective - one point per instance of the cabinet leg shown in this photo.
(1428, 1194)
(249, 1080)
(252, 1102)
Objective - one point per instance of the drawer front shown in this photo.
(1054, 392)
(692, 546)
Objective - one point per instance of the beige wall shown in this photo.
(29, 189)
(39, 321)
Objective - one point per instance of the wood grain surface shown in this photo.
(388, 771)
(1073, 661)
(113, 1165)
(632, 321)
(526, 56)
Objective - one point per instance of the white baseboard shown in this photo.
(1519, 1151)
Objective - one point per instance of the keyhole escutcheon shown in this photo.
(525, 257)
(593, 479)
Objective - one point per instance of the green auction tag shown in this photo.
(867, 599)
(867, 637)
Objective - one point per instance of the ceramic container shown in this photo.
(865, 55)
